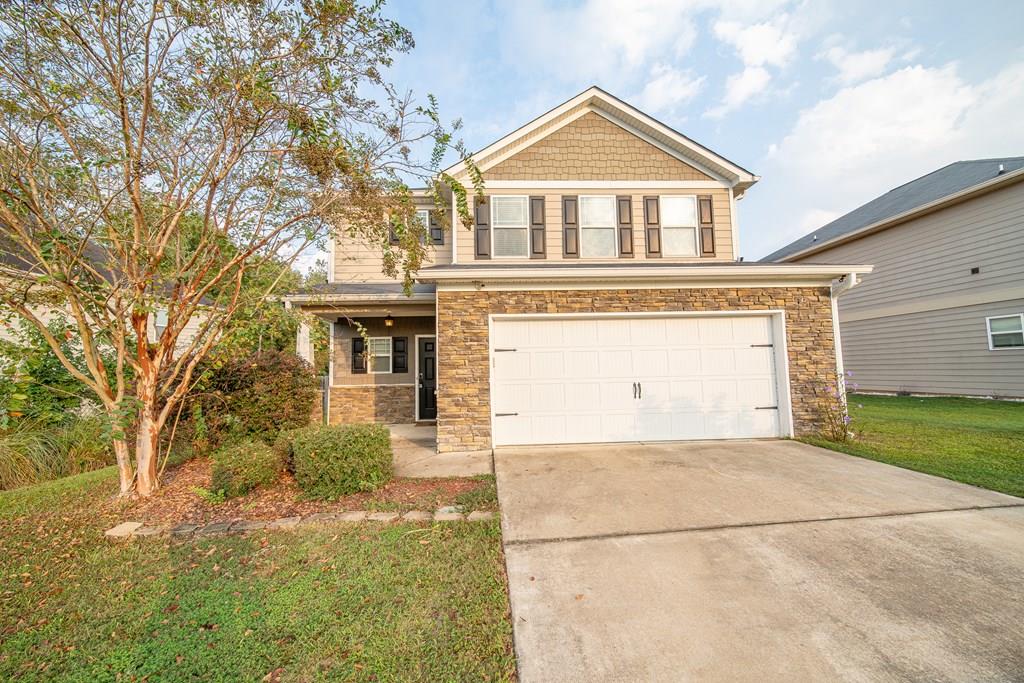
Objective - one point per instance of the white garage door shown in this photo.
(591, 380)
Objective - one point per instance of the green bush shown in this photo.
(252, 397)
(32, 451)
(240, 468)
(335, 461)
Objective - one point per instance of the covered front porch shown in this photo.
(382, 343)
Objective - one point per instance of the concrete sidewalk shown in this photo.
(415, 455)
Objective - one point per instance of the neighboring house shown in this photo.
(943, 311)
(16, 264)
(598, 298)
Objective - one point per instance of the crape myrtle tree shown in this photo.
(153, 154)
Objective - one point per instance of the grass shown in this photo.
(360, 603)
(483, 498)
(975, 441)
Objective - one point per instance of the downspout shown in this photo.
(455, 241)
(843, 284)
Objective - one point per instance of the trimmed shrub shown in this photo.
(253, 397)
(335, 461)
(240, 468)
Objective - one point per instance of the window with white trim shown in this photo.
(380, 354)
(1006, 332)
(679, 226)
(510, 233)
(423, 229)
(159, 322)
(597, 227)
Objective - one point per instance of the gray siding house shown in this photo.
(943, 311)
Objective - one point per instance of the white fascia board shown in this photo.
(607, 184)
(420, 297)
(661, 273)
(907, 215)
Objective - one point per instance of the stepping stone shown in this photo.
(249, 525)
(449, 509)
(382, 516)
(214, 528)
(352, 516)
(448, 514)
(184, 529)
(123, 530)
(150, 531)
(417, 516)
(480, 516)
(285, 523)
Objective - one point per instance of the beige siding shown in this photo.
(342, 352)
(592, 148)
(917, 323)
(355, 260)
(931, 257)
(553, 218)
(937, 352)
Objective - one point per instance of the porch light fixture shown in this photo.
(389, 321)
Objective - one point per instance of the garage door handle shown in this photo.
(640, 390)
(634, 389)
(766, 408)
(505, 414)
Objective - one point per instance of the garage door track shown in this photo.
(756, 560)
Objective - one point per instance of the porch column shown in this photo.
(303, 346)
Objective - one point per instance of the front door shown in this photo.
(427, 378)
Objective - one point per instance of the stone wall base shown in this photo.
(388, 403)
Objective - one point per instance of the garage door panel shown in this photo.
(574, 380)
(684, 362)
(650, 362)
(617, 395)
(582, 364)
(547, 364)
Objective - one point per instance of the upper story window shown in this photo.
(679, 226)
(510, 217)
(380, 354)
(159, 322)
(423, 216)
(597, 227)
(1006, 332)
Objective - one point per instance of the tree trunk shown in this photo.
(146, 453)
(124, 467)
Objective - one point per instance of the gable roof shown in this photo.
(594, 99)
(947, 184)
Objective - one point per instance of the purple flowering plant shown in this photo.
(834, 409)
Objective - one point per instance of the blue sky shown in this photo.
(831, 103)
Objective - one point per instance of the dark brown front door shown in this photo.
(427, 380)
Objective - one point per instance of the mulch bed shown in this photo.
(178, 500)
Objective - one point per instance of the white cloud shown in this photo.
(854, 67)
(871, 137)
(758, 44)
(667, 89)
(739, 88)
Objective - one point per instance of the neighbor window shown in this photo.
(510, 225)
(160, 322)
(1006, 332)
(679, 226)
(597, 227)
(380, 354)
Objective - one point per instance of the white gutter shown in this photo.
(367, 298)
(901, 217)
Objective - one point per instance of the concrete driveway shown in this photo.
(756, 560)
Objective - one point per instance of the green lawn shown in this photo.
(975, 441)
(362, 603)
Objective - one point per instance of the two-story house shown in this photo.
(943, 312)
(598, 298)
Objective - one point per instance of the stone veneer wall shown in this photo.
(388, 403)
(463, 400)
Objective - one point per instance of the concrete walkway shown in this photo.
(756, 561)
(415, 455)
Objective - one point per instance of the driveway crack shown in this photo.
(750, 525)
